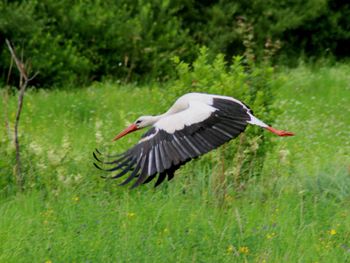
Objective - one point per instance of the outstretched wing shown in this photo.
(178, 138)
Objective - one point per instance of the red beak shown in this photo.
(130, 129)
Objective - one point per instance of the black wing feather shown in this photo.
(160, 179)
(126, 170)
(134, 172)
(143, 173)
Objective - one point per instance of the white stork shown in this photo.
(196, 124)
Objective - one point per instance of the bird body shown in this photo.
(196, 124)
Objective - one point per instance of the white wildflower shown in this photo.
(65, 143)
(41, 166)
(77, 177)
(98, 134)
(36, 148)
(53, 157)
(284, 153)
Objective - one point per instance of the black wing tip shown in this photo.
(139, 181)
(96, 158)
(149, 178)
(160, 179)
(133, 186)
(170, 176)
(96, 150)
(126, 181)
(98, 167)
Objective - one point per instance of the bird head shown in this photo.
(144, 121)
(140, 123)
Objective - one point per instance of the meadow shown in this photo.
(296, 210)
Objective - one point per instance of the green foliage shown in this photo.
(311, 28)
(246, 82)
(75, 43)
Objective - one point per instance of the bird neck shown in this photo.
(153, 119)
(150, 120)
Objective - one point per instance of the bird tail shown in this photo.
(255, 121)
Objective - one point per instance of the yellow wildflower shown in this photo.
(48, 261)
(243, 250)
(131, 215)
(47, 213)
(270, 236)
(230, 249)
(228, 198)
(75, 199)
(332, 232)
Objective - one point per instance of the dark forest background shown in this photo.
(76, 42)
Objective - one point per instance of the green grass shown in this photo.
(296, 211)
(157, 226)
(316, 106)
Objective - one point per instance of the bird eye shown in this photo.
(138, 121)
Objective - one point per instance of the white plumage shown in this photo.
(195, 112)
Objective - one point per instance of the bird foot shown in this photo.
(280, 132)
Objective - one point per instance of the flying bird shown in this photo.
(196, 124)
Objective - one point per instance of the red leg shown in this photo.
(279, 132)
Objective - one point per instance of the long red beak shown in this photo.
(131, 128)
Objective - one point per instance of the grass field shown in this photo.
(297, 210)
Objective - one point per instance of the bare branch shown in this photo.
(9, 72)
(19, 64)
(23, 85)
(32, 77)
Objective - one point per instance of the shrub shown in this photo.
(75, 43)
(243, 158)
(313, 28)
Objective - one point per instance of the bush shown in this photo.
(241, 79)
(313, 28)
(75, 43)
